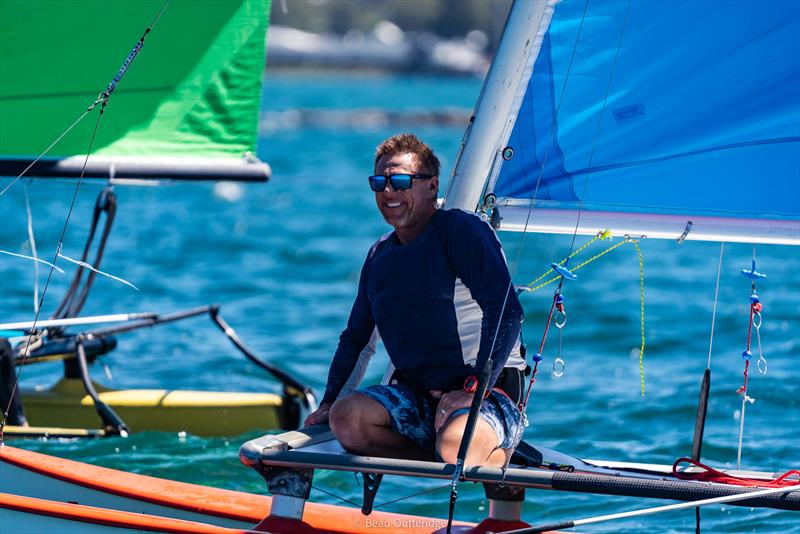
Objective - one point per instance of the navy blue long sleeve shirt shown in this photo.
(426, 297)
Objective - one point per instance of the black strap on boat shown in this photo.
(699, 428)
(286, 379)
(75, 298)
(700, 420)
(111, 421)
(298, 389)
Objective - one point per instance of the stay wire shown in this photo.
(26, 350)
(34, 254)
(339, 497)
(714, 311)
(423, 492)
(46, 150)
(101, 99)
(387, 503)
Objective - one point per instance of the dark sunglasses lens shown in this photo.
(401, 181)
(377, 183)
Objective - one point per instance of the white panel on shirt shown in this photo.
(469, 316)
(361, 365)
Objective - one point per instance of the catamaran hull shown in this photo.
(202, 413)
(41, 493)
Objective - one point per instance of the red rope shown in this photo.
(547, 325)
(743, 389)
(755, 307)
(713, 475)
(524, 405)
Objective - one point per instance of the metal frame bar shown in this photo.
(274, 451)
(142, 168)
(513, 216)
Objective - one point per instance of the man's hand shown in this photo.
(318, 416)
(448, 404)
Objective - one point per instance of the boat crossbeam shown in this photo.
(316, 448)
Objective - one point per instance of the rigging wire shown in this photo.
(705, 385)
(37, 260)
(754, 321)
(423, 492)
(87, 265)
(46, 150)
(339, 497)
(32, 243)
(387, 503)
(102, 99)
(549, 146)
(588, 174)
(716, 299)
(29, 340)
(467, 435)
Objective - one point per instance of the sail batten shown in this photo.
(701, 122)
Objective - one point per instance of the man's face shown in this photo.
(408, 210)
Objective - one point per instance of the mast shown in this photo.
(501, 96)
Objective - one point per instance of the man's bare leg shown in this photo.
(483, 449)
(362, 426)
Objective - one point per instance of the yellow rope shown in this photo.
(641, 290)
(606, 234)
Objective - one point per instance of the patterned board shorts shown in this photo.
(412, 414)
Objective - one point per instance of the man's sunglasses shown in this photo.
(400, 182)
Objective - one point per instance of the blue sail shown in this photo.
(684, 109)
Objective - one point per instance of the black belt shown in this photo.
(511, 381)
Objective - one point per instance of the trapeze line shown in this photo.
(88, 266)
(32, 259)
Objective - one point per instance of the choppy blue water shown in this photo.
(283, 261)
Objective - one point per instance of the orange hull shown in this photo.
(73, 494)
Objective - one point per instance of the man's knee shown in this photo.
(348, 418)
(343, 410)
(483, 444)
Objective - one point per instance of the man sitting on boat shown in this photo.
(438, 290)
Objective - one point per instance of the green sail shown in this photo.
(193, 91)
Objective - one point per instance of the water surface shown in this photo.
(283, 261)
